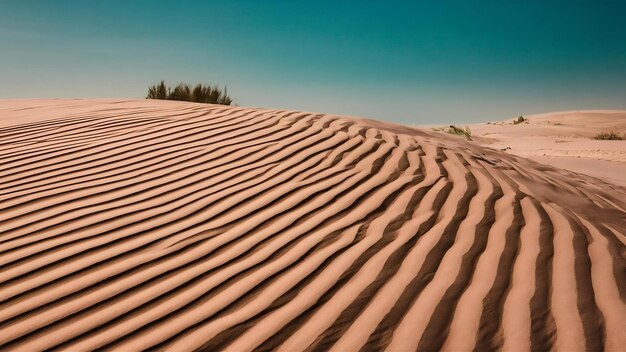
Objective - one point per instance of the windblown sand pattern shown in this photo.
(129, 225)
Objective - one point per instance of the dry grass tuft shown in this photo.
(609, 136)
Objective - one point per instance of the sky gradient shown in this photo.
(414, 62)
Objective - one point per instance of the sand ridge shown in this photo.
(129, 225)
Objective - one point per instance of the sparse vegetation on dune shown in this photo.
(198, 94)
(459, 131)
(520, 119)
(609, 136)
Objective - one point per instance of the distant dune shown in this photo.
(128, 225)
(565, 140)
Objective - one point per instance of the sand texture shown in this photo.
(132, 225)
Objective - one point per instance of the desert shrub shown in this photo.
(210, 94)
(465, 132)
(158, 91)
(199, 94)
(608, 136)
(520, 119)
(180, 92)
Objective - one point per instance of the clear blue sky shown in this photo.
(406, 61)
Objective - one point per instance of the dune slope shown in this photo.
(128, 225)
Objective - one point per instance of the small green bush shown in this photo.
(608, 136)
(199, 94)
(158, 91)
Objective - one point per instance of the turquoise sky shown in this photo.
(407, 61)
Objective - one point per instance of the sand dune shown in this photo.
(564, 140)
(128, 225)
